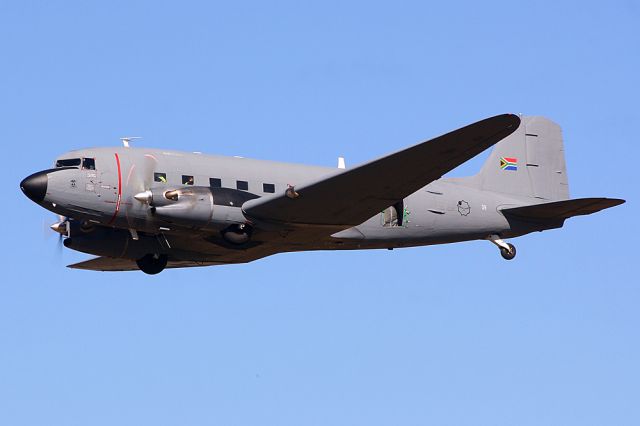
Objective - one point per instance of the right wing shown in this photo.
(349, 197)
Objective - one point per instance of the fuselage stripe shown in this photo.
(115, 214)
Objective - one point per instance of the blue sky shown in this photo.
(447, 335)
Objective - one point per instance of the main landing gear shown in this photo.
(507, 250)
(152, 263)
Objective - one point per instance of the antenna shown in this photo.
(126, 139)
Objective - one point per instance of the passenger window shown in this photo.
(69, 162)
(242, 185)
(160, 177)
(187, 180)
(215, 183)
(88, 164)
(268, 187)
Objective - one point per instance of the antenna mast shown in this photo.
(126, 139)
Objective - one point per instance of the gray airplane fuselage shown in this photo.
(444, 211)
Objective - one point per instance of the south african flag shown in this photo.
(508, 163)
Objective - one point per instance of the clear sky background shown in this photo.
(443, 335)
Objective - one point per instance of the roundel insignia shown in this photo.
(463, 208)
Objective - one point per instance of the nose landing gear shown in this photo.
(152, 263)
(507, 250)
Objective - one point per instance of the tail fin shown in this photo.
(529, 162)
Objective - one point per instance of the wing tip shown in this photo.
(512, 119)
(616, 201)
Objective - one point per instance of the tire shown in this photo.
(152, 263)
(508, 254)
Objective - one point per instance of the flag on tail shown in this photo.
(509, 163)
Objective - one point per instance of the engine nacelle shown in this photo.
(201, 207)
(191, 206)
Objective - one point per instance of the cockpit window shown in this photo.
(89, 163)
(68, 162)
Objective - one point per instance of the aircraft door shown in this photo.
(395, 216)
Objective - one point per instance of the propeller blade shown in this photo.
(141, 174)
(139, 181)
(148, 165)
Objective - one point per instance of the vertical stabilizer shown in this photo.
(529, 162)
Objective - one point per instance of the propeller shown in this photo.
(141, 174)
(139, 181)
(63, 228)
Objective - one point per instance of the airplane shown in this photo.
(151, 209)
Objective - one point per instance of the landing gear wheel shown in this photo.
(508, 254)
(152, 263)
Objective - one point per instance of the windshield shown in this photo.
(68, 162)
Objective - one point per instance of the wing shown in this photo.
(229, 257)
(350, 197)
(118, 264)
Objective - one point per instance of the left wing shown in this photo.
(118, 264)
(349, 197)
(229, 257)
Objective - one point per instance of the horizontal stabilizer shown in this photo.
(560, 210)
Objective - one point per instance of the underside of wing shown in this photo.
(349, 197)
(118, 264)
(229, 257)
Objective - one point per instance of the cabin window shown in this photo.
(268, 187)
(187, 180)
(68, 162)
(88, 164)
(160, 177)
(215, 182)
(242, 185)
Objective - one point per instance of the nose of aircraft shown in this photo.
(35, 186)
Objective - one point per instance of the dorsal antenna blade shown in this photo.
(126, 139)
